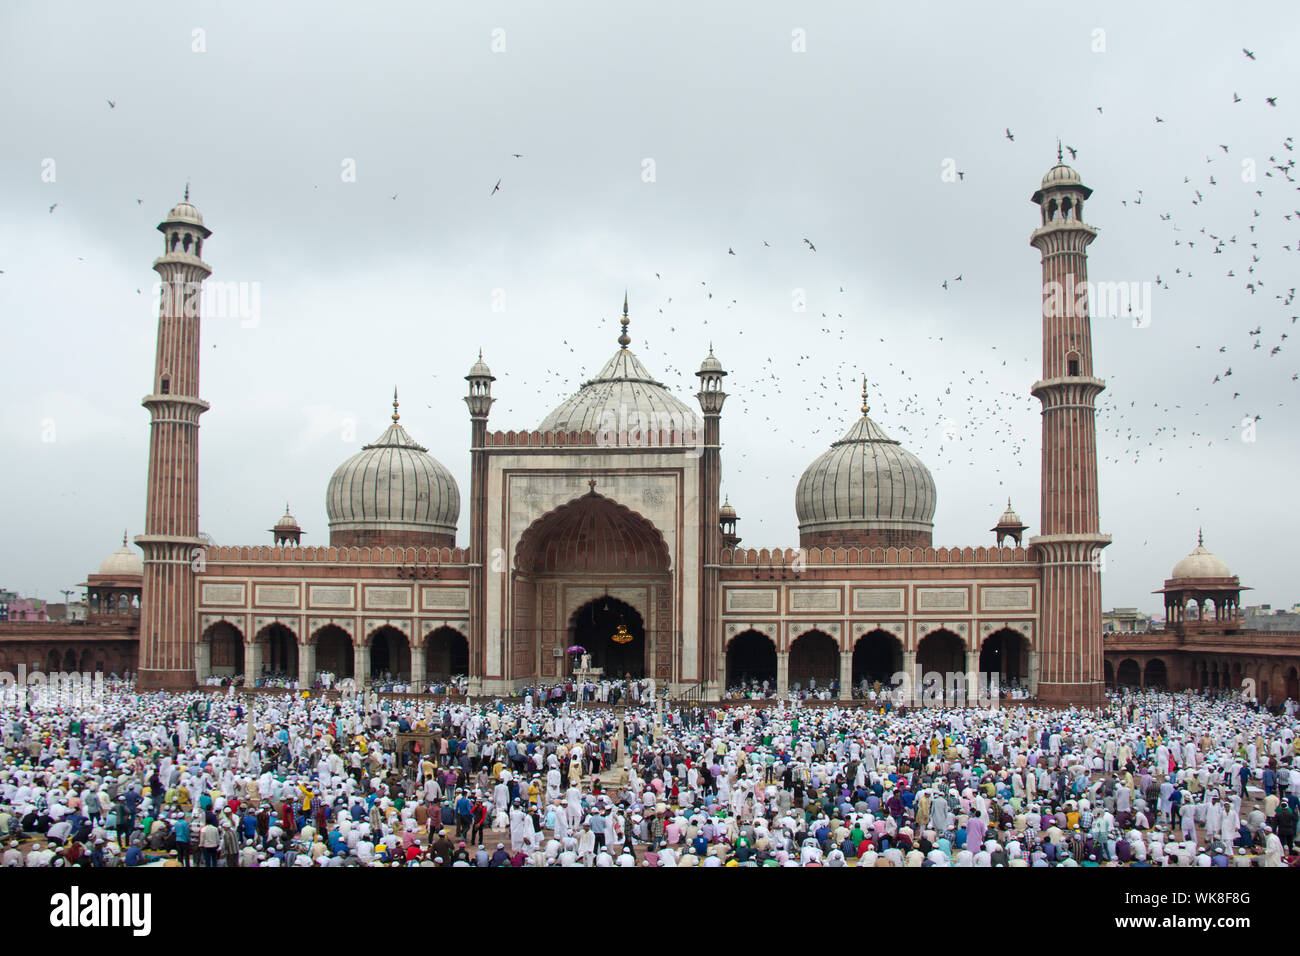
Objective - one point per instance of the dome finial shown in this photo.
(865, 407)
(395, 415)
(187, 190)
(124, 537)
(624, 340)
(1060, 158)
(1200, 538)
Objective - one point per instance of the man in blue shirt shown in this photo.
(181, 828)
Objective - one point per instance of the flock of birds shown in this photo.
(985, 405)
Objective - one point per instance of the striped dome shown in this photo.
(392, 484)
(866, 482)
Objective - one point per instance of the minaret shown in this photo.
(710, 396)
(480, 401)
(1068, 645)
(171, 544)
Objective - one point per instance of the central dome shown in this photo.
(866, 491)
(392, 493)
(622, 397)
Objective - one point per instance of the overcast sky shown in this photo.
(754, 145)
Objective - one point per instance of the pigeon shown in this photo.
(111, 104)
(810, 245)
(496, 188)
(1009, 135)
(1271, 100)
(1249, 54)
(53, 207)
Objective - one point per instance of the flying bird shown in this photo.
(496, 188)
(1009, 135)
(53, 207)
(810, 245)
(111, 104)
(1271, 100)
(1074, 153)
(1249, 54)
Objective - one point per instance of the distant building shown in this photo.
(1125, 619)
(27, 609)
(1262, 617)
(1208, 642)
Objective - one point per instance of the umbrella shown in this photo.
(577, 649)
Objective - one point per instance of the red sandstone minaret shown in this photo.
(710, 396)
(171, 544)
(1068, 644)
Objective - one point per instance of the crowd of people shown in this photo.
(224, 778)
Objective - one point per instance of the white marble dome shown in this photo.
(622, 397)
(866, 482)
(393, 484)
(122, 561)
(1200, 564)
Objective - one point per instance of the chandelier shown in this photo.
(620, 635)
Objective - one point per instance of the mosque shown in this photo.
(602, 528)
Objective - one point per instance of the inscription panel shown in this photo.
(751, 599)
(445, 599)
(941, 599)
(1019, 599)
(276, 595)
(815, 599)
(388, 598)
(330, 596)
(223, 594)
(877, 599)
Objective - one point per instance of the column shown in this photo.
(912, 686)
(782, 673)
(846, 674)
(252, 663)
(1033, 672)
(418, 668)
(361, 664)
(306, 665)
(203, 661)
(972, 677)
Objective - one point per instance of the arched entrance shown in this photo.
(751, 660)
(390, 654)
(614, 635)
(225, 650)
(446, 654)
(279, 651)
(1157, 675)
(1005, 653)
(1129, 675)
(877, 657)
(941, 651)
(334, 652)
(1109, 671)
(563, 562)
(814, 661)
(1292, 684)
